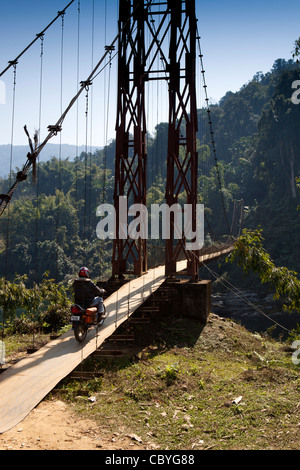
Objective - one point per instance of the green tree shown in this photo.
(250, 254)
(296, 51)
(277, 158)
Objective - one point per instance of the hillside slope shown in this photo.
(219, 388)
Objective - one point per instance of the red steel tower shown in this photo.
(171, 27)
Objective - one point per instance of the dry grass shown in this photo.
(187, 388)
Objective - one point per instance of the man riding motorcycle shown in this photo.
(87, 294)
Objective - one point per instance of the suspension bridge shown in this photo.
(156, 42)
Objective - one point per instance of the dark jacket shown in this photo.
(85, 291)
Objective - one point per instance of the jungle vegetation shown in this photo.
(51, 226)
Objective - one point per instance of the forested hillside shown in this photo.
(51, 226)
(258, 144)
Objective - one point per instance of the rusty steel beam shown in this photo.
(182, 159)
(131, 158)
(171, 27)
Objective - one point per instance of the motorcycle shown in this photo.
(83, 319)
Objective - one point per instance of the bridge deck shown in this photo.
(25, 384)
(212, 253)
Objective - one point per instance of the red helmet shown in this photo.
(84, 272)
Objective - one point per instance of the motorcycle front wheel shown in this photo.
(80, 332)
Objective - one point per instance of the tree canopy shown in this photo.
(52, 227)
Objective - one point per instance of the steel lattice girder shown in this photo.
(175, 20)
(131, 158)
(182, 160)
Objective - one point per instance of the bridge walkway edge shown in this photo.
(25, 385)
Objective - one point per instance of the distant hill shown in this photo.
(20, 154)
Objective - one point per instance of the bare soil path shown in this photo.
(53, 425)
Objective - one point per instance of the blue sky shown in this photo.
(238, 39)
(19, 23)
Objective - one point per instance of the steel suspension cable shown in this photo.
(91, 102)
(41, 83)
(237, 292)
(85, 229)
(7, 242)
(212, 135)
(12, 62)
(53, 130)
(60, 150)
(61, 90)
(10, 165)
(106, 131)
(88, 150)
(105, 112)
(37, 178)
(76, 222)
(92, 66)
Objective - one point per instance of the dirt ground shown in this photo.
(232, 363)
(53, 425)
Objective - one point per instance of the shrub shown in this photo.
(55, 318)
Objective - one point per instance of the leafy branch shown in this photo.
(15, 295)
(296, 52)
(250, 254)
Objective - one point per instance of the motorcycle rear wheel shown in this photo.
(80, 333)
